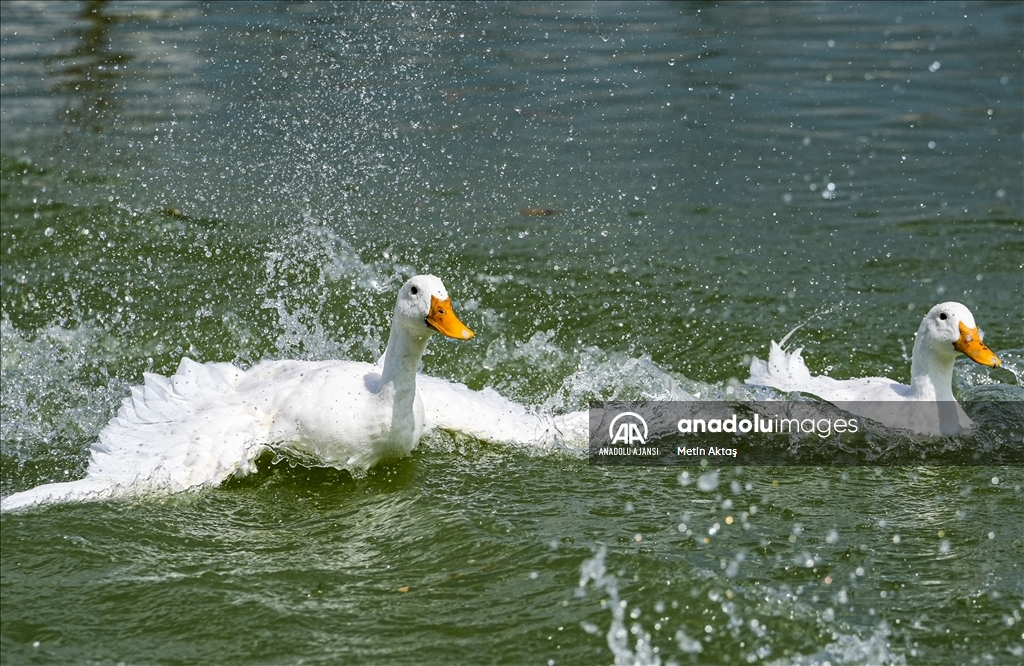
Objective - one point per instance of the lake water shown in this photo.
(238, 182)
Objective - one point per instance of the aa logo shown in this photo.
(628, 428)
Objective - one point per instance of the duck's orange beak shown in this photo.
(970, 343)
(443, 320)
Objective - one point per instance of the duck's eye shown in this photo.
(941, 316)
(415, 291)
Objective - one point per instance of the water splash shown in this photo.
(329, 302)
(593, 571)
(848, 650)
(820, 313)
(56, 394)
(968, 377)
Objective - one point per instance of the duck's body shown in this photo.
(340, 412)
(926, 405)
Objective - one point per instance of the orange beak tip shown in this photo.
(443, 320)
(970, 344)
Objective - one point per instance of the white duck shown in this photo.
(926, 406)
(211, 421)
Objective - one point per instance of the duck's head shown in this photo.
(424, 308)
(949, 329)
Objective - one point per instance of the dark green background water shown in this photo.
(235, 182)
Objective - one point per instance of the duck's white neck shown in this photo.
(401, 361)
(931, 372)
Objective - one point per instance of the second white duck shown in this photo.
(926, 405)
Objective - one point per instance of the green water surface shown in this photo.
(237, 182)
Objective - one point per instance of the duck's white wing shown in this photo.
(786, 371)
(487, 416)
(171, 434)
(783, 370)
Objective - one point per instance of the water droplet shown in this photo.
(708, 482)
